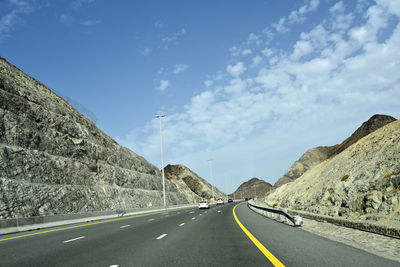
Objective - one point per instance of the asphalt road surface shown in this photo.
(188, 237)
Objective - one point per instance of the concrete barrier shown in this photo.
(15, 225)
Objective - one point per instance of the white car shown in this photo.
(220, 201)
(203, 204)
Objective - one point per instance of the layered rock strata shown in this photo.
(53, 160)
(192, 184)
(314, 156)
(361, 183)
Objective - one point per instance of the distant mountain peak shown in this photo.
(254, 187)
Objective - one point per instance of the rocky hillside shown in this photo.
(252, 188)
(314, 156)
(189, 182)
(360, 183)
(53, 160)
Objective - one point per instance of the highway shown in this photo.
(187, 237)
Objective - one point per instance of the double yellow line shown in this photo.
(258, 244)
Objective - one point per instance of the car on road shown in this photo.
(203, 204)
(230, 200)
(220, 201)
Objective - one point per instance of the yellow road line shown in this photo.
(83, 225)
(260, 246)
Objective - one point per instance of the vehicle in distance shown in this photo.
(203, 204)
(230, 200)
(220, 201)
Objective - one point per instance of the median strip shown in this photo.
(81, 225)
(74, 239)
(258, 244)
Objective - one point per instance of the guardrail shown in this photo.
(14, 225)
(276, 214)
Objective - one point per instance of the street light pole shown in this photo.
(212, 186)
(162, 159)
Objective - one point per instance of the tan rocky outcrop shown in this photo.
(314, 156)
(360, 183)
(189, 182)
(252, 188)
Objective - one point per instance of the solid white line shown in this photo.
(182, 224)
(161, 236)
(124, 226)
(149, 220)
(81, 237)
(193, 218)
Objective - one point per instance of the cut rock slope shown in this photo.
(189, 182)
(361, 183)
(54, 160)
(314, 156)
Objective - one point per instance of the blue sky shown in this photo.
(249, 84)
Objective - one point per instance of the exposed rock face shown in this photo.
(360, 183)
(189, 182)
(316, 155)
(252, 188)
(53, 160)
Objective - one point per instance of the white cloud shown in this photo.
(180, 68)
(296, 16)
(10, 19)
(246, 52)
(80, 3)
(256, 61)
(91, 22)
(236, 70)
(146, 51)
(280, 26)
(317, 92)
(159, 24)
(164, 84)
(67, 19)
(208, 83)
(173, 38)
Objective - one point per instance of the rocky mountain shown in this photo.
(360, 183)
(252, 188)
(191, 184)
(314, 156)
(54, 160)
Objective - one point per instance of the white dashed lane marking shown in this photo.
(182, 224)
(191, 212)
(161, 236)
(219, 211)
(193, 218)
(124, 226)
(74, 239)
(149, 220)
